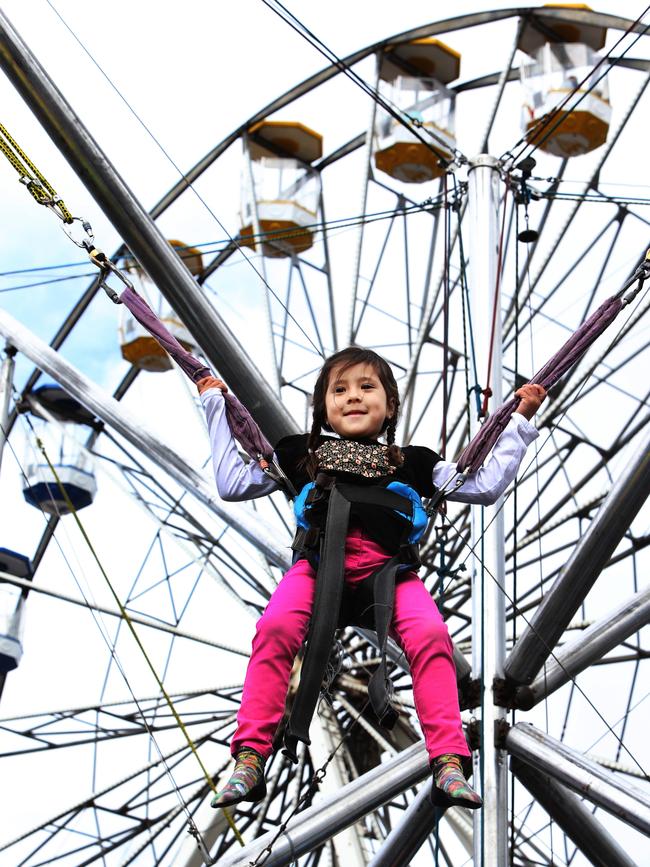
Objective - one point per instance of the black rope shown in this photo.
(401, 117)
(517, 611)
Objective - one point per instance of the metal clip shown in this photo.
(444, 492)
(106, 267)
(193, 831)
(641, 274)
(274, 471)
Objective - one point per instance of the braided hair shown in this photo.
(343, 360)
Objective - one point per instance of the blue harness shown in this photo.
(303, 507)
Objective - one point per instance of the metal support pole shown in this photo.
(420, 820)
(581, 774)
(316, 825)
(488, 573)
(262, 536)
(141, 234)
(350, 332)
(577, 822)
(261, 241)
(591, 645)
(325, 735)
(6, 380)
(589, 558)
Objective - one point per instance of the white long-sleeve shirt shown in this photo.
(238, 480)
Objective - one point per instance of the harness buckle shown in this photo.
(409, 554)
(324, 482)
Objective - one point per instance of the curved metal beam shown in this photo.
(436, 28)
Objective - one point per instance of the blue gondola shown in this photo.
(72, 464)
(57, 402)
(12, 607)
(43, 491)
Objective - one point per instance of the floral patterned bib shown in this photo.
(348, 456)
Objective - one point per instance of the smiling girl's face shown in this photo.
(356, 402)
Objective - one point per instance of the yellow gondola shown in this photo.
(564, 55)
(412, 77)
(280, 189)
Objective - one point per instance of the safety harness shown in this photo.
(324, 510)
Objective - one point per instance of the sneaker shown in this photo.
(450, 788)
(246, 782)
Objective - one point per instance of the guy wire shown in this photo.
(136, 637)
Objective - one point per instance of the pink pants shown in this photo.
(417, 627)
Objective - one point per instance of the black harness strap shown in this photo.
(375, 496)
(328, 599)
(327, 602)
(380, 687)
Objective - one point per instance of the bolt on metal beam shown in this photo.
(577, 822)
(581, 774)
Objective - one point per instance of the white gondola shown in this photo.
(72, 471)
(412, 77)
(280, 189)
(12, 609)
(563, 58)
(137, 345)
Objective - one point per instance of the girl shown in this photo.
(356, 398)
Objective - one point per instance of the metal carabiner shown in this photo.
(86, 241)
(444, 490)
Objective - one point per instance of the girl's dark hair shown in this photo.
(345, 359)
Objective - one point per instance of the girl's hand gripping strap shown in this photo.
(242, 425)
(555, 368)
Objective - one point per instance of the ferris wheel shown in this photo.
(464, 225)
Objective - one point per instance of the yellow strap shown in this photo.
(135, 635)
(42, 191)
